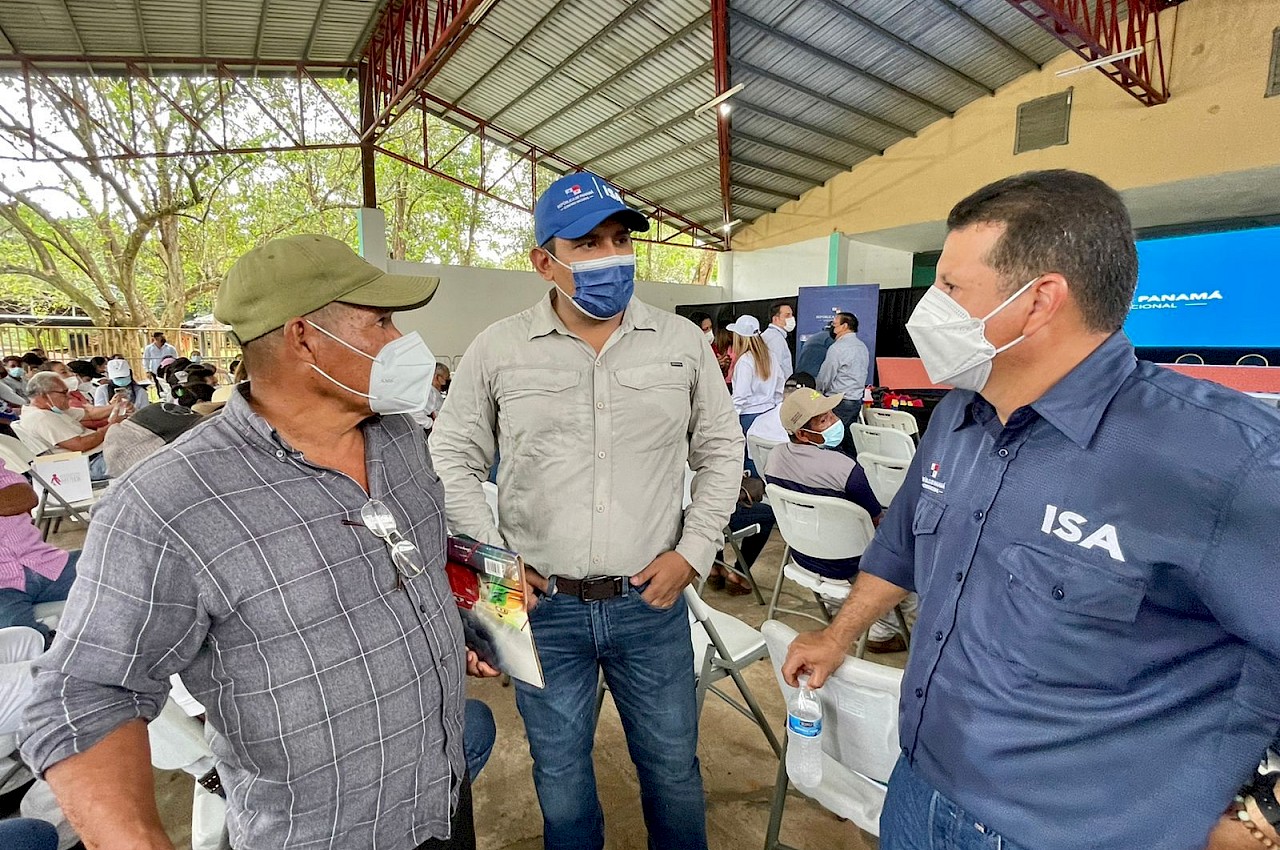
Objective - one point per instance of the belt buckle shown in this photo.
(599, 589)
(212, 782)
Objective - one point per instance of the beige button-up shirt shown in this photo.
(594, 448)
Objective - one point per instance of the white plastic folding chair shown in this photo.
(19, 457)
(178, 743)
(884, 474)
(723, 646)
(820, 527)
(758, 450)
(887, 442)
(859, 738)
(899, 420)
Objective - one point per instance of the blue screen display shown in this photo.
(1211, 290)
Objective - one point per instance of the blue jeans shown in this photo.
(647, 660)
(916, 817)
(478, 734)
(27, 834)
(17, 607)
(98, 467)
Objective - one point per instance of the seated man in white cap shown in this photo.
(807, 464)
(295, 544)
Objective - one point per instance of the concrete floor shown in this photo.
(738, 767)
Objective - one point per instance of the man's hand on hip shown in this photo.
(816, 654)
(667, 575)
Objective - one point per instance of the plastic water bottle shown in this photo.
(804, 736)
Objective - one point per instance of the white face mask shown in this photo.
(953, 344)
(790, 324)
(710, 335)
(400, 376)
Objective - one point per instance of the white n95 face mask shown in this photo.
(400, 376)
(953, 344)
(789, 324)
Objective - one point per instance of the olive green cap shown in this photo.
(296, 275)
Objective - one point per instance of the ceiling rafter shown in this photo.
(973, 22)
(676, 37)
(587, 44)
(840, 63)
(790, 121)
(803, 154)
(779, 172)
(901, 43)
(674, 152)
(637, 106)
(757, 71)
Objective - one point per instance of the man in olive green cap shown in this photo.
(287, 559)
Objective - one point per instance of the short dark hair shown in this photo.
(699, 318)
(82, 368)
(803, 379)
(1066, 222)
(777, 308)
(32, 359)
(848, 319)
(157, 333)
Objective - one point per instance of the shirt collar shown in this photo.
(543, 319)
(1076, 403)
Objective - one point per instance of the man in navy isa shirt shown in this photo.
(1096, 545)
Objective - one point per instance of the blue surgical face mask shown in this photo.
(15, 371)
(122, 382)
(832, 435)
(196, 358)
(602, 288)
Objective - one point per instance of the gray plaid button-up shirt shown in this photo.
(334, 699)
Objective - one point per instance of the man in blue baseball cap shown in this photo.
(596, 403)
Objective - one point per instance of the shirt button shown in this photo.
(1003, 453)
(596, 559)
(919, 692)
(280, 454)
(937, 635)
(422, 608)
(599, 363)
(959, 576)
(599, 405)
(978, 515)
(1059, 593)
(600, 455)
(599, 509)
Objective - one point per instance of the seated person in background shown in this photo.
(49, 422)
(77, 398)
(145, 433)
(33, 362)
(13, 384)
(805, 465)
(85, 375)
(435, 397)
(120, 382)
(31, 571)
(202, 373)
(192, 393)
(750, 510)
(768, 425)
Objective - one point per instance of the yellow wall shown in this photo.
(1216, 121)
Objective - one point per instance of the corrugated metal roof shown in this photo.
(320, 31)
(614, 85)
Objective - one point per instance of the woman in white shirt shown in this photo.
(757, 380)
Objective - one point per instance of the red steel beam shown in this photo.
(509, 139)
(720, 56)
(410, 43)
(1100, 31)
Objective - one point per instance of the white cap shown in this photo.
(119, 369)
(746, 326)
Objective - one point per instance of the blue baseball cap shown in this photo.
(573, 205)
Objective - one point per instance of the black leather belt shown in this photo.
(592, 589)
